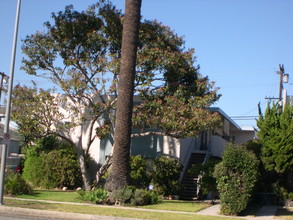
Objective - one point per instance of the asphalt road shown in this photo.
(17, 217)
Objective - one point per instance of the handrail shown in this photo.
(186, 158)
(206, 159)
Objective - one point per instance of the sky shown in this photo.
(238, 44)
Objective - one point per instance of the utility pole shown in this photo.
(281, 72)
(6, 135)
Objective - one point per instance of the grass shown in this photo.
(177, 205)
(71, 196)
(106, 211)
(54, 195)
(169, 205)
(285, 213)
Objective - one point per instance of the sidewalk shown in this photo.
(265, 213)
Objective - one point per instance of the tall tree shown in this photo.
(276, 129)
(80, 53)
(119, 175)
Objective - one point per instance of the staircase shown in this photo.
(188, 183)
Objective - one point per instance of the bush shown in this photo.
(165, 174)
(52, 163)
(16, 185)
(96, 196)
(139, 173)
(290, 196)
(236, 177)
(133, 196)
(122, 196)
(33, 169)
(144, 197)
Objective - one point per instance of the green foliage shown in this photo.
(33, 170)
(173, 91)
(207, 181)
(276, 129)
(139, 172)
(16, 185)
(96, 196)
(80, 53)
(134, 196)
(144, 197)
(165, 174)
(32, 108)
(267, 178)
(283, 193)
(122, 196)
(290, 196)
(236, 177)
(51, 163)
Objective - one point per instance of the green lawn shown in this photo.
(178, 205)
(54, 195)
(169, 205)
(106, 211)
(71, 196)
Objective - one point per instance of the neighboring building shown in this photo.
(13, 160)
(208, 144)
(15, 141)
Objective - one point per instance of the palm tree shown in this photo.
(119, 174)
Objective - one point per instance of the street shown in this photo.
(18, 217)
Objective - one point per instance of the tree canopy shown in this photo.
(80, 54)
(276, 129)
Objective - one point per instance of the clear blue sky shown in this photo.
(239, 44)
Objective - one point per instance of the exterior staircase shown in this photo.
(188, 183)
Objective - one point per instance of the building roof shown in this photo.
(221, 112)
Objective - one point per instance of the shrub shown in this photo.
(236, 177)
(144, 197)
(51, 163)
(165, 174)
(16, 185)
(290, 196)
(139, 174)
(122, 196)
(133, 196)
(62, 169)
(33, 169)
(96, 196)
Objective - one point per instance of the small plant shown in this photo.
(96, 196)
(122, 196)
(16, 185)
(145, 197)
(133, 196)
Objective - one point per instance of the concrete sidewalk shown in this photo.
(266, 212)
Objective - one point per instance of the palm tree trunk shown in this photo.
(119, 174)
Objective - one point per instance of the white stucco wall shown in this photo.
(242, 136)
(217, 146)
